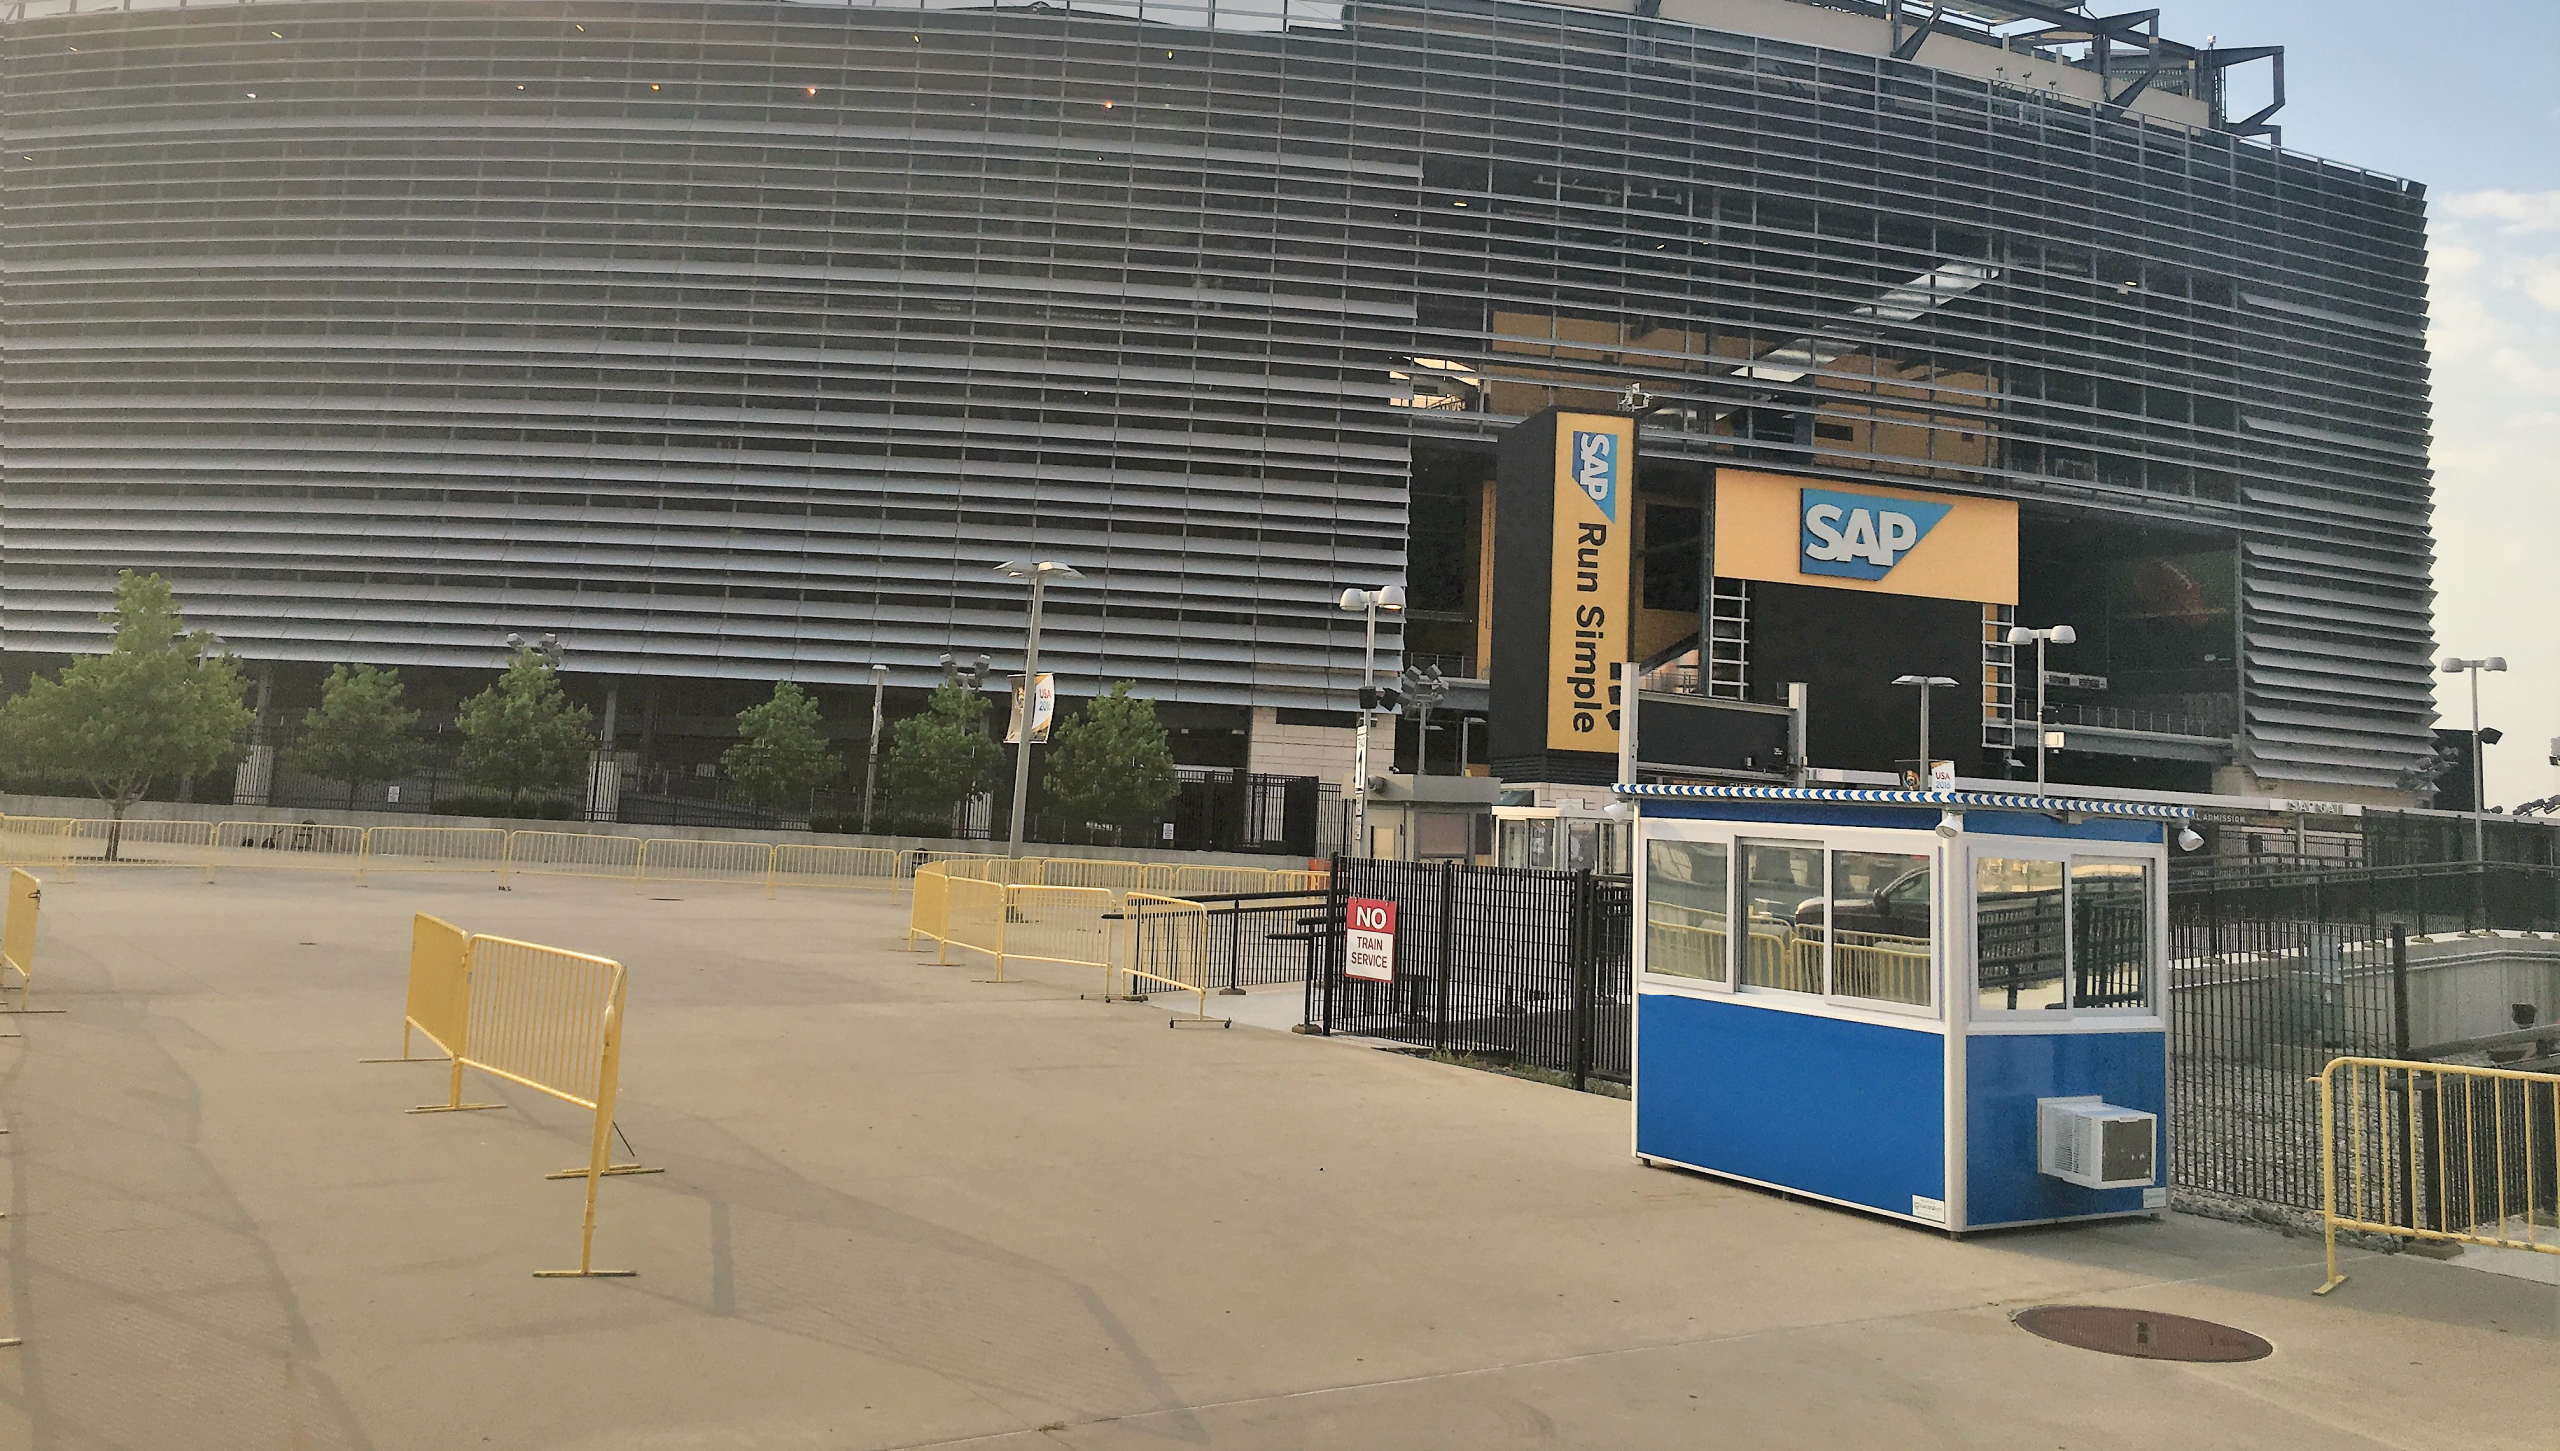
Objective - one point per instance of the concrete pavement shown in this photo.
(903, 1208)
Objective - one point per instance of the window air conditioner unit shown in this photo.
(2096, 1145)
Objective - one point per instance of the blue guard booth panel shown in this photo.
(1944, 1007)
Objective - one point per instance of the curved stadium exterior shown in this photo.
(740, 340)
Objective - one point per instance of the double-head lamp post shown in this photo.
(2456, 666)
(1039, 572)
(1926, 683)
(871, 757)
(2053, 635)
(1367, 602)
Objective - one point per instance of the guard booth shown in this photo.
(1947, 1007)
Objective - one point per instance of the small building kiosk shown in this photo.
(1948, 1007)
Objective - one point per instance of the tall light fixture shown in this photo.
(2455, 666)
(1367, 602)
(1039, 572)
(871, 757)
(2054, 635)
(1926, 683)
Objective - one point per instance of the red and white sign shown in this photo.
(1369, 941)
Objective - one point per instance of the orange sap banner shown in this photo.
(1588, 623)
(1861, 536)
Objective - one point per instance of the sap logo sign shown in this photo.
(1861, 536)
(1595, 470)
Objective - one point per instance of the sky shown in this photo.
(2460, 96)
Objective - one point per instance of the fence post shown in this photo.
(1579, 933)
(1235, 948)
(1448, 952)
(1337, 904)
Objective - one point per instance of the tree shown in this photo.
(1111, 764)
(360, 731)
(943, 757)
(781, 756)
(159, 705)
(521, 734)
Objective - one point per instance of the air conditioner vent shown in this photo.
(2095, 1144)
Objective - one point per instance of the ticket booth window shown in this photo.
(2051, 935)
(1686, 895)
(1786, 918)
(1880, 927)
(2111, 934)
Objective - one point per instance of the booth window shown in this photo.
(2019, 942)
(1787, 917)
(2110, 934)
(1686, 901)
(1880, 933)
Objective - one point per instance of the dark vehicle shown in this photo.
(1900, 908)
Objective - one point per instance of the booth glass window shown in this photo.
(1880, 933)
(1788, 916)
(1687, 899)
(2110, 934)
(2020, 943)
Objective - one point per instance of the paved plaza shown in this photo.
(905, 1208)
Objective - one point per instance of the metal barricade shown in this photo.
(1113, 876)
(433, 849)
(973, 918)
(439, 991)
(2439, 1151)
(18, 934)
(36, 841)
(99, 841)
(1056, 924)
(664, 859)
(285, 846)
(928, 910)
(796, 865)
(1163, 941)
(569, 854)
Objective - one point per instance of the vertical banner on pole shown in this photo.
(1587, 627)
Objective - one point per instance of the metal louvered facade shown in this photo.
(740, 340)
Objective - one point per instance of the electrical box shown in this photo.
(2096, 1145)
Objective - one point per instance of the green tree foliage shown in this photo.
(1112, 764)
(781, 755)
(157, 706)
(360, 730)
(941, 758)
(521, 735)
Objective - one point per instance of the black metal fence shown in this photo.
(1528, 967)
(2256, 1009)
(2424, 897)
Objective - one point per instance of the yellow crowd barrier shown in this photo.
(433, 849)
(18, 938)
(569, 854)
(801, 865)
(543, 1017)
(2439, 1151)
(1163, 944)
(301, 846)
(36, 841)
(686, 860)
(927, 910)
(973, 918)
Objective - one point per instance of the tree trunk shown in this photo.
(353, 785)
(115, 824)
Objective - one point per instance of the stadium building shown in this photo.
(730, 342)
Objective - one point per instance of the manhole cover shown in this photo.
(2147, 1334)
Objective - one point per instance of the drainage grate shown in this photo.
(2146, 1334)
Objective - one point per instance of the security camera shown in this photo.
(2188, 840)
(1950, 827)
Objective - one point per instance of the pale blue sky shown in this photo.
(2460, 95)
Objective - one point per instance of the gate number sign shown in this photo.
(1369, 941)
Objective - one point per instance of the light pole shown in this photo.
(2455, 666)
(1367, 602)
(871, 757)
(2056, 635)
(1926, 683)
(1039, 573)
